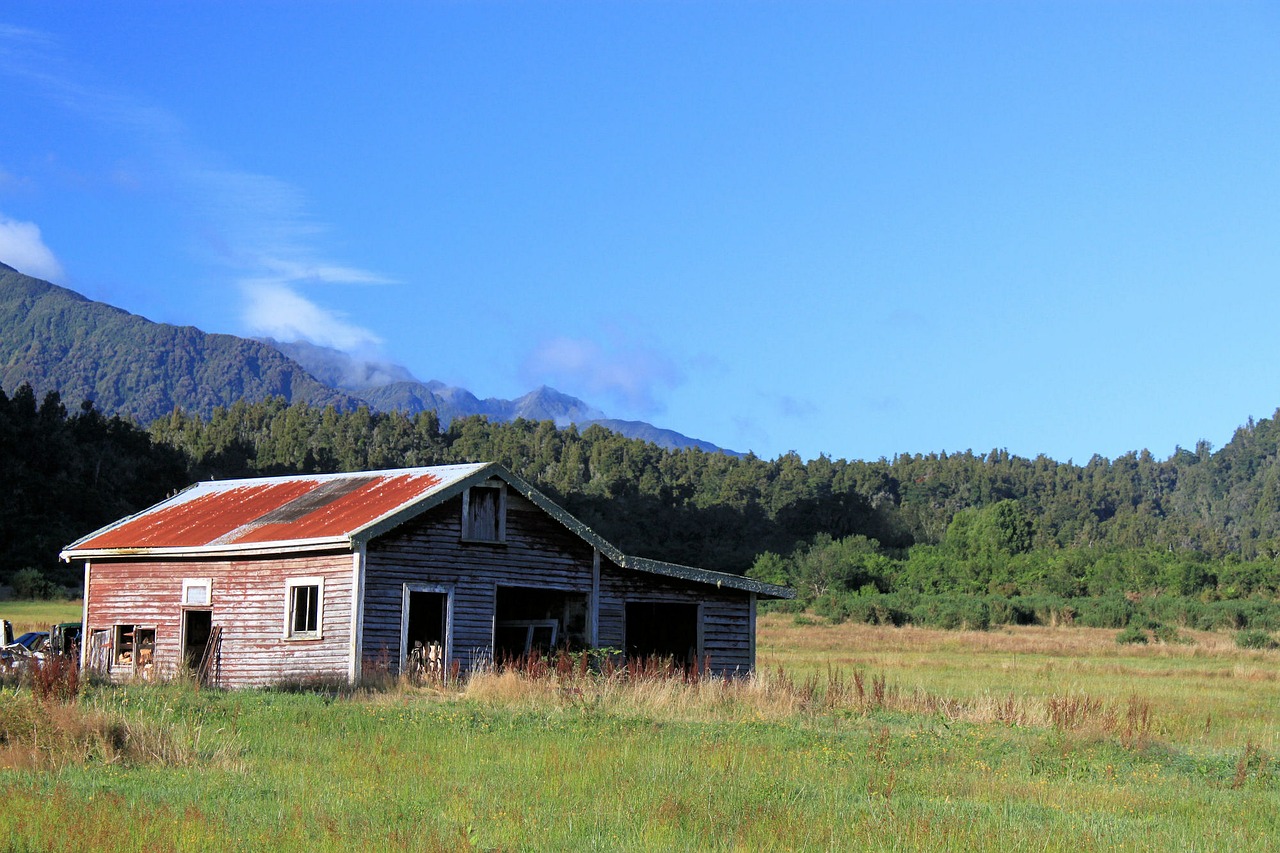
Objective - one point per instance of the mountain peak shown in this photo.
(58, 340)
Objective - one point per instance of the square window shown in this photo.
(133, 651)
(197, 592)
(304, 608)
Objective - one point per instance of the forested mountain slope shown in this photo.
(57, 340)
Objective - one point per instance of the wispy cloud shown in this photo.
(794, 407)
(256, 227)
(629, 374)
(22, 248)
(277, 310)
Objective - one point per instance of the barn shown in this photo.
(337, 576)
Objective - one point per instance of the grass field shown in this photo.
(852, 737)
(39, 615)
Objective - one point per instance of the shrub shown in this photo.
(785, 605)
(876, 610)
(833, 608)
(32, 584)
(1169, 635)
(1132, 635)
(952, 612)
(1043, 610)
(1255, 639)
(1109, 612)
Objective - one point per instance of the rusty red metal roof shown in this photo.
(323, 511)
(275, 510)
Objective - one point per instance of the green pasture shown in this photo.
(39, 615)
(966, 744)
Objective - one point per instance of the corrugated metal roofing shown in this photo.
(272, 514)
(272, 510)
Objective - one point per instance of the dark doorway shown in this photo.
(426, 627)
(532, 620)
(197, 625)
(658, 629)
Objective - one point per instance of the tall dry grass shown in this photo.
(37, 735)
(774, 695)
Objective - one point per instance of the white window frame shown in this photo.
(189, 584)
(447, 591)
(290, 587)
(501, 488)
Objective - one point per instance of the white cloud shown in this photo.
(275, 309)
(256, 227)
(22, 248)
(632, 375)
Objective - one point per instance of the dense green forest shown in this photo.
(990, 533)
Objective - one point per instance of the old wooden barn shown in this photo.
(261, 581)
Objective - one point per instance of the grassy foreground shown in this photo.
(852, 738)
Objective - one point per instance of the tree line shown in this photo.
(1200, 523)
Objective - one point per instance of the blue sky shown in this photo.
(856, 229)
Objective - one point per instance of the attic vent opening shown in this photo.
(484, 514)
(318, 498)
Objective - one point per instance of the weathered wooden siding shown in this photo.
(726, 614)
(248, 602)
(538, 552)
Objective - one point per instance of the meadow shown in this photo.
(39, 615)
(850, 737)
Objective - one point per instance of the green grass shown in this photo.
(39, 615)
(1074, 744)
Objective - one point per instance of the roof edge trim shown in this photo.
(707, 576)
(339, 543)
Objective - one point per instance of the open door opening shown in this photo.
(532, 620)
(426, 626)
(662, 630)
(197, 627)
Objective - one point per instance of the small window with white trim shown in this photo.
(197, 592)
(304, 608)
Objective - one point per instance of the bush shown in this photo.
(32, 584)
(1169, 635)
(833, 608)
(1132, 636)
(876, 610)
(783, 605)
(1044, 610)
(952, 612)
(1256, 639)
(1109, 612)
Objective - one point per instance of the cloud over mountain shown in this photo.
(22, 248)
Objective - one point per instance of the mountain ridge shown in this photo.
(410, 395)
(56, 339)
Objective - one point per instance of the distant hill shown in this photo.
(57, 340)
(390, 387)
